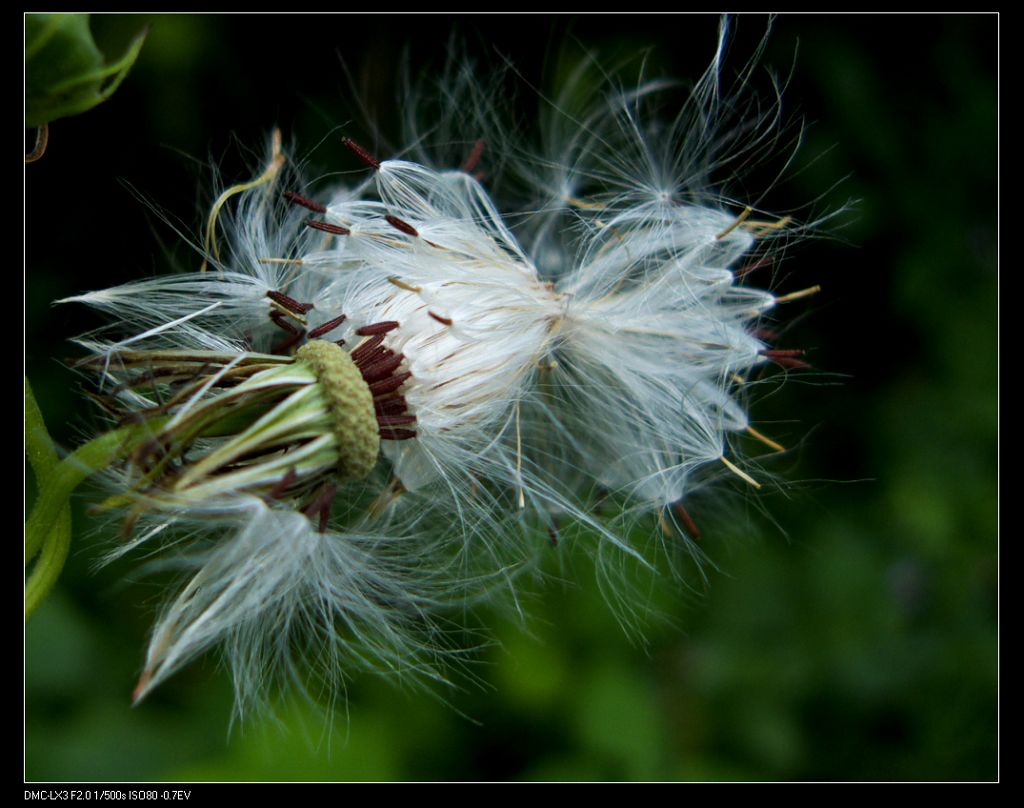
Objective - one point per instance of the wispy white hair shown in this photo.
(592, 337)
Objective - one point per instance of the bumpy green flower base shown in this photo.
(351, 406)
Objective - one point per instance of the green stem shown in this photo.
(50, 563)
(43, 458)
(48, 529)
(66, 476)
(38, 446)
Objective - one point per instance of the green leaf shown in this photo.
(64, 70)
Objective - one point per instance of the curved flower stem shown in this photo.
(48, 529)
(51, 561)
(43, 458)
(66, 476)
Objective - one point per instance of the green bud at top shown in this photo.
(65, 72)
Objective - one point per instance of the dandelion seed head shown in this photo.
(511, 357)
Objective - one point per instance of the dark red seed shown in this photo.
(279, 487)
(361, 153)
(327, 327)
(397, 434)
(401, 225)
(322, 505)
(304, 202)
(390, 406)
(786, 357)
(389, 385)
(783, 353)
(280, 321)
(378, 354)
(383, 327)
(683, 516)
(378, 370)
(289, 303)
(474, 156)
(365, 348)
(395, 420)
(327, 227)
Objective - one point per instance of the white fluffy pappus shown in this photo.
(617, 345)
(593, 339)
(292, 606)
(251, 242)
(474, 317)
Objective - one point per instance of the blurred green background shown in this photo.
(849, 627)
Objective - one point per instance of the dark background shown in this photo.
(849, 627)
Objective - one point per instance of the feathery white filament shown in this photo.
(593, 339)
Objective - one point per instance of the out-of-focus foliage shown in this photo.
(849, 627)
(64, 70)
